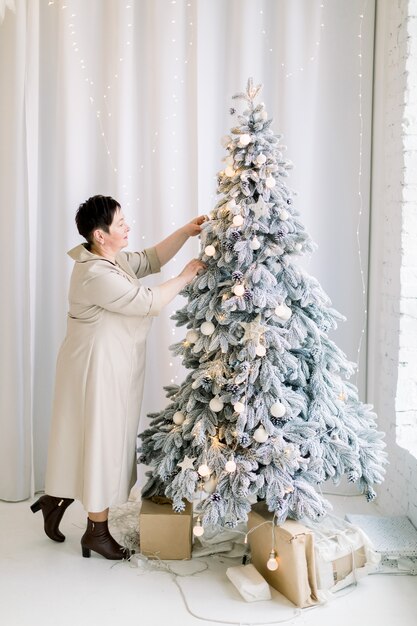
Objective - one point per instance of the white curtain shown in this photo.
(130, 98)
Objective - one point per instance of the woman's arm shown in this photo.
(112, 291)
(172, 287)
(167, 248)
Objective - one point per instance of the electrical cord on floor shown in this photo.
(162, 566)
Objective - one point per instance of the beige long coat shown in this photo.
(99, 378)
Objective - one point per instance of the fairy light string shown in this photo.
(103, 109)
(360, 196)
(287, 71)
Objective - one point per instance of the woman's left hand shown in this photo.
(193, 228)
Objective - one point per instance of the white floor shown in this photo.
(50, 584)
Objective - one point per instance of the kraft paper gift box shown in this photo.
(165, 534)
(295, 577)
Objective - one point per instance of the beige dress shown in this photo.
(99, 378)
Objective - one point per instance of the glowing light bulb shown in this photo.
(198, 530)
(244, 139)
(238, 290)
(238, 220)
(204, 470)
(255, 244)
(230, 466)
(272, 563)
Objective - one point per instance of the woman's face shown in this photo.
(117, 237)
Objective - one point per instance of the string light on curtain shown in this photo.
(105, 112)
(178, 80)
(313, 57)
(301, 69)
(362, 274)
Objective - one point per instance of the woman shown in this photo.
(100, 370)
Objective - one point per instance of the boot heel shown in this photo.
(86, 552)
(36, 506)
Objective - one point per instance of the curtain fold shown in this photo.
(15, 321)
(131, 99)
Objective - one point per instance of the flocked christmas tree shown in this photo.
(266, 411)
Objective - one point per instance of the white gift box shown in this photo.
(249, 583)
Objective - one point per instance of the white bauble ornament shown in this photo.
(207, 328)
(210, 250)
(283, 214)
(261, 159)
(191, 336)
(239, 407)
(210, 485)
(244, 139)
(238, 290)
(204, 470)
(277, 409)
(270, 182)
(178, 418)
(260, 350)
(216, 404)
(272, 563)
(230, 466)
(298, 247)
(255, 244)
(229, 171)
(238, 220)
(283, 311)
(260, 435)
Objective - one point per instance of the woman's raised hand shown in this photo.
(193, 228)
(192, 268)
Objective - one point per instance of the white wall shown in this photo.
(392, 340)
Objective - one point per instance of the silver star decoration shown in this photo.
(253, 330)
(260, 209)
(187, 463)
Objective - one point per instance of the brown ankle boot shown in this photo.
(98, 538)
(53, 509)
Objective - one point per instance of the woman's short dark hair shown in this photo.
(96, 212)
